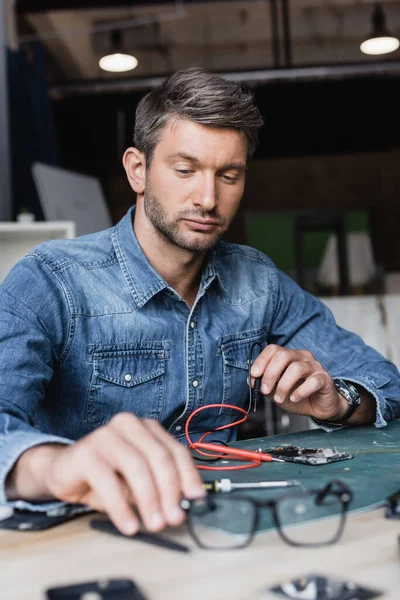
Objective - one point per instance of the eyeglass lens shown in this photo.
(222, 521)
(294, 510)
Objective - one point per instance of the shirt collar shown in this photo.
(143, 280)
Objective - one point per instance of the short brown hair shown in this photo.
(196, 95)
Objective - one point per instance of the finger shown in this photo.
(109, 493)
(262, 360)
(160, 464)
(313, 384)
(165, 473)
(292, 378)
(191, 482)
(270, 364)
(132, 464)
(164, 456)
(274, 370)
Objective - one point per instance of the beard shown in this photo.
(168, 227)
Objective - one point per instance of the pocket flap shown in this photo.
(236, 351)
(130, 367)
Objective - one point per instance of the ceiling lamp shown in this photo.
(117, 61)
(380, 42)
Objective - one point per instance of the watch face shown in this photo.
(348, 391)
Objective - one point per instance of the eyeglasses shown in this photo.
(230, 521)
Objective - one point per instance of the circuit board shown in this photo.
(307, 456)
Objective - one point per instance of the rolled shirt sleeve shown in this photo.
(15, 439)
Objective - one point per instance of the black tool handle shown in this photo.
(141, 536)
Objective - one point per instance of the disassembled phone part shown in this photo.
(307, 456)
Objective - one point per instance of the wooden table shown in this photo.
(30, 562)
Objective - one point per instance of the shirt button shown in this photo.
(192, 325)
(178, 427)
(128, 377)
(195, 383)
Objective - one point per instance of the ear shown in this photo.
(134, 163)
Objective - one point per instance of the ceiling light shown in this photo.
(380, 42)
(117, 61)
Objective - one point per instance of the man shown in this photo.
(109, 342)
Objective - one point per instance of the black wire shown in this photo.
(254, 391)
(216, 456)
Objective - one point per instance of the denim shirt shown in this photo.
(88, 329)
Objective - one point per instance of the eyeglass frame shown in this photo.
(345, 495)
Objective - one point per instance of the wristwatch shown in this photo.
(351, 394)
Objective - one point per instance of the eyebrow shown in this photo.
(234, 165)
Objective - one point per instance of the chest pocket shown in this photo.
(126, 377)
(235, 351)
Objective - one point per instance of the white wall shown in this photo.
(376, 319)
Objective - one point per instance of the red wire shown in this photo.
(233, 453)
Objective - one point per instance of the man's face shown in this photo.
(195, 183)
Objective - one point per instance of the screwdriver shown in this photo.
(227, 485)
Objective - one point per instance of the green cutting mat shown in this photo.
(373, 474)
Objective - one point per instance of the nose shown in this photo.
(205, 196)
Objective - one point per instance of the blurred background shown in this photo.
(322, 197)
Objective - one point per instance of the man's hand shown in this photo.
(127, 463)
(298, 383)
